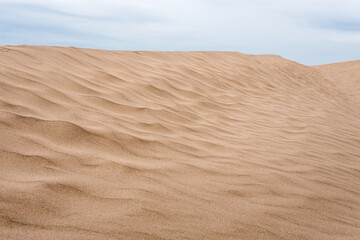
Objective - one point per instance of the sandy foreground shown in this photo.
(176, 145)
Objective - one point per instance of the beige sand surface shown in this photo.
(347, 77)
(176, 145)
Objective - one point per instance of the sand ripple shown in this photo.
(184, 145)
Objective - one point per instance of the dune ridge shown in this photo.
(176, 145)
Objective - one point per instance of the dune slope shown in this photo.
(346, 76)
(184, 145)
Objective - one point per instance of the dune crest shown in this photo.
(176, 145)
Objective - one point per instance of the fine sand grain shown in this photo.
(176, 145)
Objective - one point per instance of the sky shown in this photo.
(310, 32)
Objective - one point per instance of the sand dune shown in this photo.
(176, 145)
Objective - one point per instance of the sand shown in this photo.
(176, 145)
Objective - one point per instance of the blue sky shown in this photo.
(308, 31)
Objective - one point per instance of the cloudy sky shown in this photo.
(307, 31)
